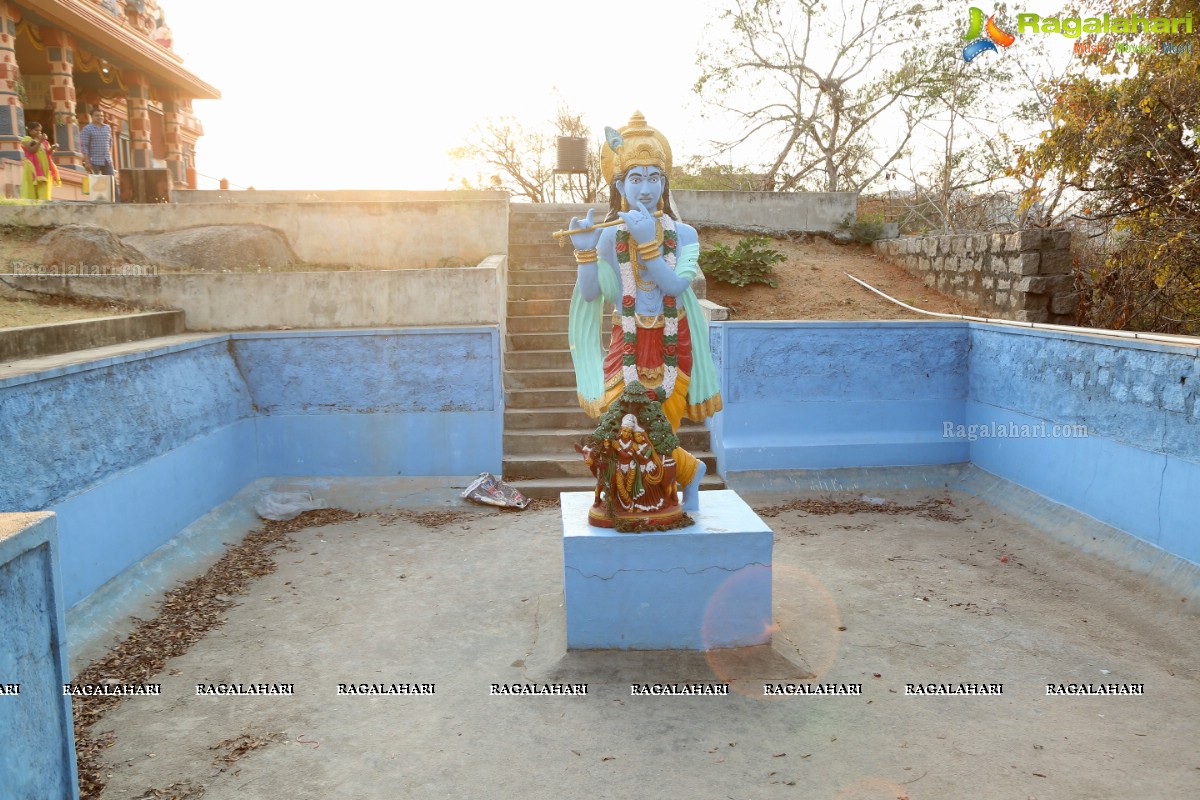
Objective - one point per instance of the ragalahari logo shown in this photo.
(984, 36)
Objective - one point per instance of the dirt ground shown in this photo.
(813, 284)
(19, 308)
(941, 587)
(19, 247)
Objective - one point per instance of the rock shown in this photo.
(87, 247)
(217, 247)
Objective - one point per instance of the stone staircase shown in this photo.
(542, 418)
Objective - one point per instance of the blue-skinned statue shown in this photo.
(657, 366)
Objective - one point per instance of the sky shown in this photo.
(373, 95)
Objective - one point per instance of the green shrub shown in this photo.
(749, 262)
(864, 230)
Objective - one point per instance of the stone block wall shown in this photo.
(1026, 276)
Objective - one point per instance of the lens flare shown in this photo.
(804, 622)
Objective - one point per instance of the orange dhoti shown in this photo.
(650, 354)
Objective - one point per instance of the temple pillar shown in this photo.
(12, 113)
(60, 51)
(174, 139)
(137, 97)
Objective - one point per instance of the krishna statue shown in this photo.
(657, 369)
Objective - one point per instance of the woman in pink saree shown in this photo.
(39, 165)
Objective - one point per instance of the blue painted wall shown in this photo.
(67, 429)
(129, 450)
(1115, 426)
(420, 402)
(38, 756)
(1107, 426)
(116, 522)
(823, 395)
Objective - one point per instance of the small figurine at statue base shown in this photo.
(631, 455)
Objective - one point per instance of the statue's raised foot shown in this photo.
(691, 492)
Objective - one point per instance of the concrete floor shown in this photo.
(479, 601)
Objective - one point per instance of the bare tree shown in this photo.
(519, 157)
(521, 161)
(815, 85)
(951, 183)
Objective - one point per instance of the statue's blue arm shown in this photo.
(662, 273)
(588, 279)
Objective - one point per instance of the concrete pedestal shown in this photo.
(38, 755)
(703, 587)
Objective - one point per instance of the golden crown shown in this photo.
(639, 145)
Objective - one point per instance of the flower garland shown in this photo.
(627, 262)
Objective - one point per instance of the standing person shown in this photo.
(38, 168)
(95, 140)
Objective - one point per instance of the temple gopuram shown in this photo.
(61, 59)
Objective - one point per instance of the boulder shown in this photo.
(88, 247)
(217, 248)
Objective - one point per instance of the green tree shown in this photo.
(1124, 137)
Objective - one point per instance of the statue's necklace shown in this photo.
(629, 328)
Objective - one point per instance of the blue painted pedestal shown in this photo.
(37, 758)
(703, 587)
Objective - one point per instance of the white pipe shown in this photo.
(1191, 341)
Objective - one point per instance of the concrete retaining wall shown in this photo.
(38, 757)
(824, 395)
(46, 340)
(1025, 276)
(1107, 426)
(766, 211)
(1113, 426)
(370, 234)
(346, 299)
(258, 196)
(130, 449)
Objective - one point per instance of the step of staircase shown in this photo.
(550, 488)
(539, 308)
(540, 398)
(568, 416)
(540, 291)
(570, 465)
(541, 276)
(562, 440)
(537, 341)
(548, 248)
(550, 323)
(540, 378)
(547, 418)
(553, 213)
(555, 262)
(516, 360)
